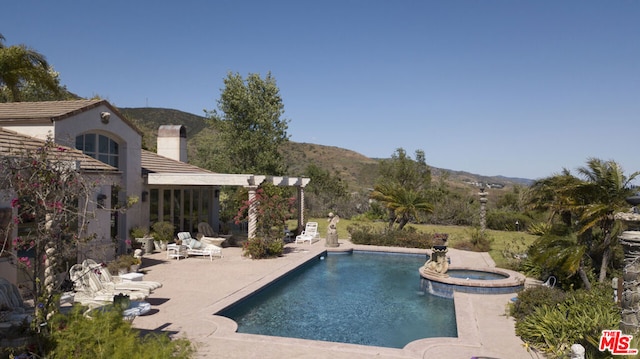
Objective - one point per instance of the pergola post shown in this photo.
(300, 209)
(253, 219)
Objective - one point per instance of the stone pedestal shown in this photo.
(332, 240)
(483, 209)
(332, 230)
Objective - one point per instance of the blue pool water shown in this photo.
(474, 274)
(360, 298)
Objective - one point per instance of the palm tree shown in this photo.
(19, 65)
(561, 255)
(593, 200)
(403, 204)
(551, 194)
(604, 190)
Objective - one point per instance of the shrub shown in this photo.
(138, 232)
(534, 297)
(506, 220)
(107, 335)
(162, 231)
(478, 242)
(258, 248)
(408, 237)
(578, 319)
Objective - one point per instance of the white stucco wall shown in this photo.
(40, 132)
(130, 144)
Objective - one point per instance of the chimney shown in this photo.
(172, 142)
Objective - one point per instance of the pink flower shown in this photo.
(26, 261)
(15, 203)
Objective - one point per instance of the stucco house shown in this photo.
(109, 147)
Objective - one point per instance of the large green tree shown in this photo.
(401, 169)
(26, 75)
(250, 126)
(402, 187)
(326, 192)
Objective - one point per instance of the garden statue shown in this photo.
(332, 230)
(438, 263)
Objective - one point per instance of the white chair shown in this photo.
(14, 310)
(115, 282)
(207, 235)
(198, 248)
(310, 233)
(89, 289)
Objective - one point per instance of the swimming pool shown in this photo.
(361, 298)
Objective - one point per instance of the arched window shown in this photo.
(99, 147)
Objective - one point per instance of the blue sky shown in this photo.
(514, 88)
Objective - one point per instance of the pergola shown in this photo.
(249, 181)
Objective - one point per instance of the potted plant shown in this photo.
(139, 232)
(162, 232)
(135, 264)
(140, 235)
(124, 264)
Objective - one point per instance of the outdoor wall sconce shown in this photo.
(101, 198)
(144, 196)
(105, 116)
(216, 194)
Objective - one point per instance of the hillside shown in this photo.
(148, 119)
(357, 170)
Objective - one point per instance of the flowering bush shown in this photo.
(258, 248)
(48, 196)
(272, 209)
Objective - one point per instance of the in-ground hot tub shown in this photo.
(489, 280)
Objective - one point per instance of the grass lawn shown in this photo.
(515, 241)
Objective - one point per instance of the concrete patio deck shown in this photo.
(195, 288)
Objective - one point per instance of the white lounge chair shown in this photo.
(310, 233)
(207, 235)
(115, 282)
(198, 248)
(14, 310)
(91, 292)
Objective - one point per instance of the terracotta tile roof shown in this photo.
(154, 163)
(53, 110)
(46, 109)
(15, 144)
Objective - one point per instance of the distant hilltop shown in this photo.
(357, 170)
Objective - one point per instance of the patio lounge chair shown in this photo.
(115, 282)
(90, 291)
(14, 311)
(310, 233)
(198, 248)
(207, 235)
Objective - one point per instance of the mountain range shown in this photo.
(357, 170)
